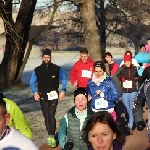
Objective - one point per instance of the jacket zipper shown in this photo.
(47, 79)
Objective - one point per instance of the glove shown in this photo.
(68, 146)
(137, 78)
(141, 125)
(122, 79)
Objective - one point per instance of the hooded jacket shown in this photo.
(17, 119)
(82, 72)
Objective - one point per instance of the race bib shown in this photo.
(127, 84)
(101, 103)
(86, 73)
(52, 95)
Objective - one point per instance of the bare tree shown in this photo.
(92, 39)
(135, 24)
(17, 34)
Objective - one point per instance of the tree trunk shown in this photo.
(102, 28)
(92, 40)
(16, 40)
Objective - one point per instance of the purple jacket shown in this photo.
(117, 146)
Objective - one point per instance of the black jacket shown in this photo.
(139, 101)
(47, 77)
(145, 75)
(129, 73)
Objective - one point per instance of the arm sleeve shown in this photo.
(63, 80)
(73, 74)
(88, 89)
(144, 76)
(115, 69)
(114, 96)
(33, 81)
(19, 121)
(62, 132)
(138, 104)
(119, 75)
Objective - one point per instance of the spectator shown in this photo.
(10, 138)
(47, 75)
(101, 132)
(17, 118)
(72, 122)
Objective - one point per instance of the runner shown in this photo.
(47, 76)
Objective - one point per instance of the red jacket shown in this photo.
(114, 69)
(82, 72)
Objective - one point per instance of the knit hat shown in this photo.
(46, 52)
(100, 64)
(80, 91)
(1, 95)
(127, 58)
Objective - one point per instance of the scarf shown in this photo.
(98, 81)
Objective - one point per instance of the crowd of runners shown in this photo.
(91, 123)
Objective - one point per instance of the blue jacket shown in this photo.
(142, 57)
(109, 89)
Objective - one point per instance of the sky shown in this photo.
(41, 3)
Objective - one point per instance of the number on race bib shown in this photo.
(101, 103)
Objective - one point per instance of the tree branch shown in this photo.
(33, 40)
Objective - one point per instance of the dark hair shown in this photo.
(3, 106)
(109, 54)
(142, 45)
(84, 50)
(128, 52)
(100, 64)
(148, 39)
(105, 118)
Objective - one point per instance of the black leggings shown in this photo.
(48, 108)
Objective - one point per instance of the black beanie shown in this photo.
(100, 64)
(2, 96)
(80, 91)
(46, 52)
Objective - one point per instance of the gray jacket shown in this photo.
(139, 101)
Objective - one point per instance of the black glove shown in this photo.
(141, 64)
(141, 125)
(68, 146)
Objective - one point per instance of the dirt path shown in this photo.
(137, 141)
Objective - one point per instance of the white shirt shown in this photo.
(16, 141)
(134, 62)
